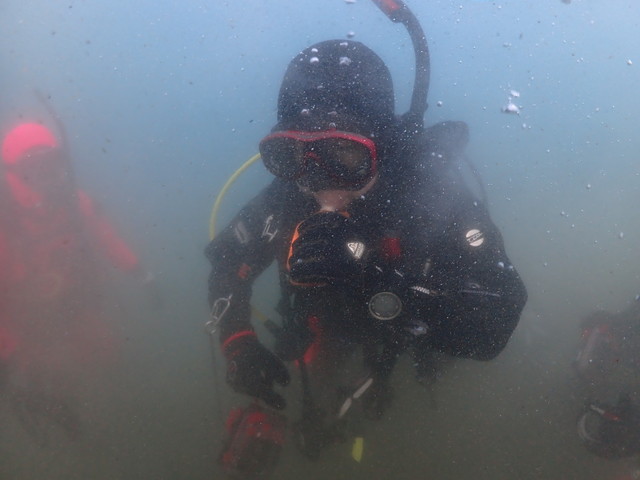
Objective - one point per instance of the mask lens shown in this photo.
(42, 168)
(348, 157)
(338, 160)
(282, 156)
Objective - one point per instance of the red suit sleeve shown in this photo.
(105, 235)
(8, 342)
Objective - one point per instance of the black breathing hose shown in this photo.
(398, 12)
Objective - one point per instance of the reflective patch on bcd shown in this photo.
(241, 233)
(474, 237)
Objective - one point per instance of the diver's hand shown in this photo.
(325, 249)
(252, 369)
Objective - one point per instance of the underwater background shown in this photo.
(163, 101)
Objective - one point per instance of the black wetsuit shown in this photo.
(448, 246)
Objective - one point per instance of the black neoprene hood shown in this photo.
(336, 83)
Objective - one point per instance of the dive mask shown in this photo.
(324, 160)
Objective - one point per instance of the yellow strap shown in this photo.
(357, 449)
(218, 202)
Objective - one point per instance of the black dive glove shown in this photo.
(252, 369)
(325, 248)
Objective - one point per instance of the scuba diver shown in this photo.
(57, 251)
(608, 360)
(381, 249)
(611, 431)
(609, 345)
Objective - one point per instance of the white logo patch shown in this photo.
(474, 237)
(269, 231)
(356, 249)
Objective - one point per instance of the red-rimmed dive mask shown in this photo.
(325, 160)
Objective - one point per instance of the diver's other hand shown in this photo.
(325, 248)
(150, 290)
(147, 278)
(252, 369)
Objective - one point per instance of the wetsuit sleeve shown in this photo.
(238, 255)
(4, 267)
(8, 342)
(482, 293)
